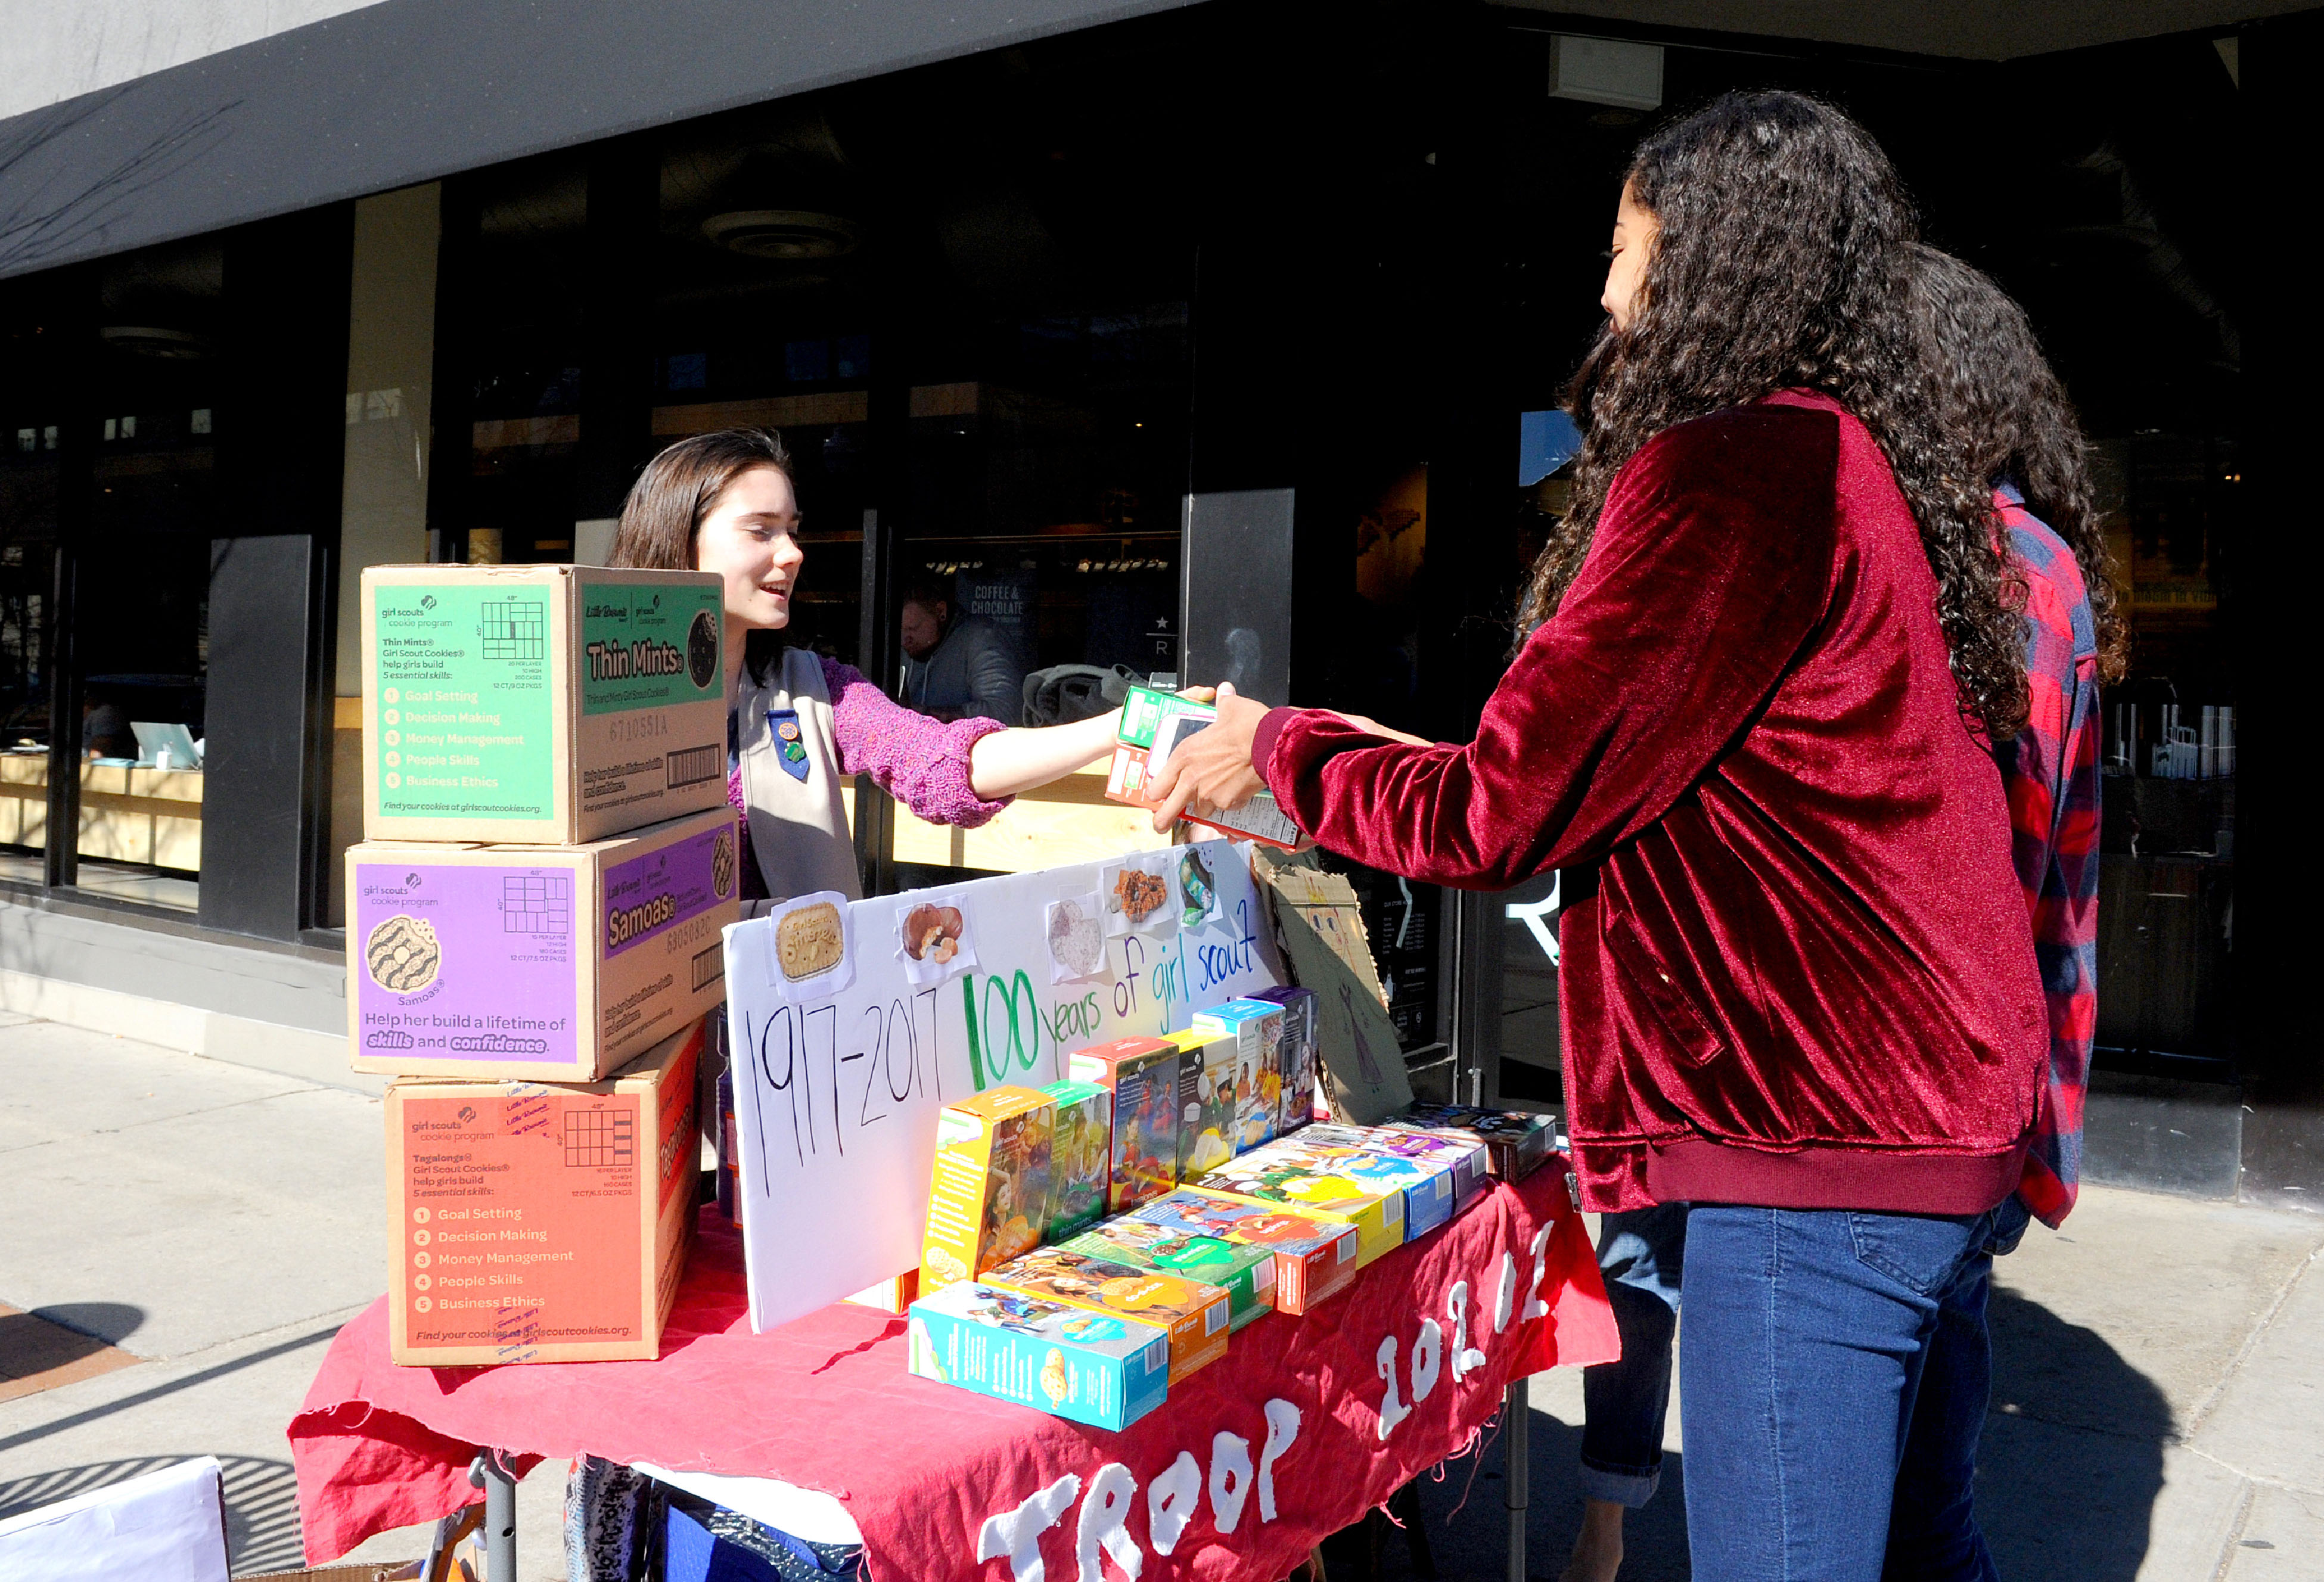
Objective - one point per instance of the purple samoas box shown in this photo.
(558, 964)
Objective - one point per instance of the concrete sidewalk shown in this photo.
(2160, 1366)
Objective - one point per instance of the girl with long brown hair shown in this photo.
(1797, 983)
(724, 502)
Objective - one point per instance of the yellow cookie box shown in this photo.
(988, 1191)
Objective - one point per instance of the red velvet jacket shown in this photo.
(1796, 968)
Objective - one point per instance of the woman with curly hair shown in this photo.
(1798, 985)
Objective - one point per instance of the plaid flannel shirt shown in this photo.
(2051, 771)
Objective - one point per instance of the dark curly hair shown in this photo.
(1998, 393)
(1782, 263)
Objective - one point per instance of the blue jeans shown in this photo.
(1807, 1336)
(1642, 1254)
(1932, 1532)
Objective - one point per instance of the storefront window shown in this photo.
(142, 616)
(140, 553)
(30, 427)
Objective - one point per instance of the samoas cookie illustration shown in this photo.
(403, 954)
(810, 942)
(722, 864)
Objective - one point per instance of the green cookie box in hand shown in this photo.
(1246, 1273)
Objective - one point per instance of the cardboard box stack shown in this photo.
(533, 940)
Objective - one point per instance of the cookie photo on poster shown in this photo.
(1134, 894)
(936, 936)
(1075, 928)
(809, 953)
(1196, 886)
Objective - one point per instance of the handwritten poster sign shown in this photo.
(932, 997)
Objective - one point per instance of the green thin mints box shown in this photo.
(539, 705)
(1144, 709)
(1080, 1162)
(1247, 1274)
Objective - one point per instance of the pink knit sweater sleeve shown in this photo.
(922, 763)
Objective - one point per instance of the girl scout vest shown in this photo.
(790, 781)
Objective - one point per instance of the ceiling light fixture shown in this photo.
(783, 235)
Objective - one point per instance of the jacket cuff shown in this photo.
(1262, 741)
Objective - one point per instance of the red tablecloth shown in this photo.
(1307, 1424)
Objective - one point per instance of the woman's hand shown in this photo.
(1211, 768)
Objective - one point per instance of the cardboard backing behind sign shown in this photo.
(836, 1094)
(1321, 930)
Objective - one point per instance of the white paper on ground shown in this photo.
(167, 1526)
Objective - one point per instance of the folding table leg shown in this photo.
(499, 1485)
(1517, 1472)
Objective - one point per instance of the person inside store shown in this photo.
(1765, 651)
(724, 502)
(106, 734)
(957, 665)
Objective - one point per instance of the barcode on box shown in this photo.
(690, 766)
(1214, 1318)
(1348, 1244)
(709, 966)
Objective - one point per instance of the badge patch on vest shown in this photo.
(791, 748)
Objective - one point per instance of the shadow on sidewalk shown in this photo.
(262, 1503)
(2072, 1456)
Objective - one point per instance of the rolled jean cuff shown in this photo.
(1620, 1486)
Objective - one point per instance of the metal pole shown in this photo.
(500, 1515)
(1517, 1472)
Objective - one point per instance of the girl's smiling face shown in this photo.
(749, 538)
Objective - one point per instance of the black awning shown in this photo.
(409, 90)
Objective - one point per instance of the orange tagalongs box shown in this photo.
(538, 1223)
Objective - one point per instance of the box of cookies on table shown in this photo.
(1080, 1165)
(1314, 1259)
(1246, 1273)
(1195, 1315)
(1318, 1182)
(1142, 1074)
(988, 1189)
(1097, 1368)
(1515, 1142)
(1431, 1182)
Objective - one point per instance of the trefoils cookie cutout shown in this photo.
(403, 954)
(810, 942)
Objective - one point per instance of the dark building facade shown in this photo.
(1140, 324)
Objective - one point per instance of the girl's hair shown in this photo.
(1999, 393)
(1782, 263)
(679, 487)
